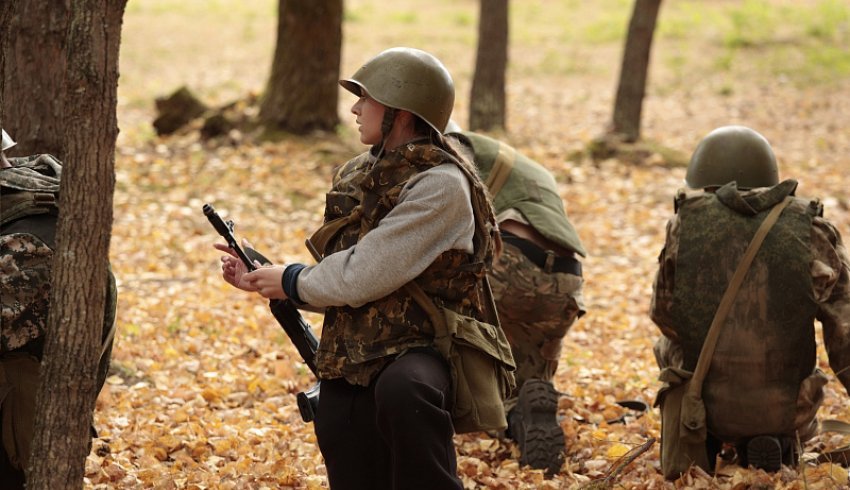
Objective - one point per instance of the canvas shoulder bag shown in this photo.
(480, 362)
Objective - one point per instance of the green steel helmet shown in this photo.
(8, 142)
(408, 79)
(733, 153)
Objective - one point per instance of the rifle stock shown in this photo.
(286, 314)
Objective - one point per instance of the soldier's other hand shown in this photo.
(233, 270)
(266, 280)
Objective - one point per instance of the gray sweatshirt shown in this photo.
(434, 214)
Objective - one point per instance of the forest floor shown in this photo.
(204, 383)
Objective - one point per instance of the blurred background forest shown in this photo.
(202, 393)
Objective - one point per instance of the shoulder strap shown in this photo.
(501, 169)
(17, 204)
(710, 343)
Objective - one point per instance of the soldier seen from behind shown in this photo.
(762, 389)
(537, 283)
(29, 199)
(408, 237)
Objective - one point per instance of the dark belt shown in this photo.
(538, 256)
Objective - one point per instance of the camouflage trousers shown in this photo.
(536, 309)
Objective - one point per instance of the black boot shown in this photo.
(534, 425)
(765, 453)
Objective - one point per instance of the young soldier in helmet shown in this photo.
(537, 283)
(409, 210)
(29, 188)
(762, 389)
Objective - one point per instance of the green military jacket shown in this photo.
(530, 189)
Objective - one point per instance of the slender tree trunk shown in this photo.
(32, 113)
(633, 72)
(302, 92)
(487, 99)
(5, 14)
(66, 397)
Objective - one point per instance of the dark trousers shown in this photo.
(11, 478)
(395, 434)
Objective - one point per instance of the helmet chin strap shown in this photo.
(386, 127)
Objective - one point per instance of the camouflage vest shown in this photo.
(767, 345)
(531, 190)
(28, 210)
(357, 343)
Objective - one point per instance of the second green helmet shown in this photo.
(733, 153)
(408, 79)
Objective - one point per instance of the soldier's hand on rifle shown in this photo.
(267, 281)
(233, 270)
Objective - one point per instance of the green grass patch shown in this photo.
(830, 21)
(828, 61)
(409, 17)
(752, 23)
(194, 8)
(465, 19)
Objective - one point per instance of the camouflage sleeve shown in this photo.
(660, 309)
(831, 280)
(25, 263)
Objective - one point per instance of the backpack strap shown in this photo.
(16, 205)
(502, 168)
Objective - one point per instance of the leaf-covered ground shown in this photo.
(204, 384)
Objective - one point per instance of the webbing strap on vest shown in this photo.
(502, 168)
(318, 242)
(24, 203)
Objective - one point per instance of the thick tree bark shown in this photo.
(34, 51)
(302, 92)
(66, 398)
(487, 98)
(634, 68)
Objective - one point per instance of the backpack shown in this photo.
(29, 209)
(28, 212)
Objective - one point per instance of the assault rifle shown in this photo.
(286, 314)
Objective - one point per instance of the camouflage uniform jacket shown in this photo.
(358, 340)
(530, 189)
(28, 206)
(762, 379)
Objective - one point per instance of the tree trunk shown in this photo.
(5, 14)
(487, 98)
(66, 398)
(302, 92)
(633, 71)
(33, 75)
